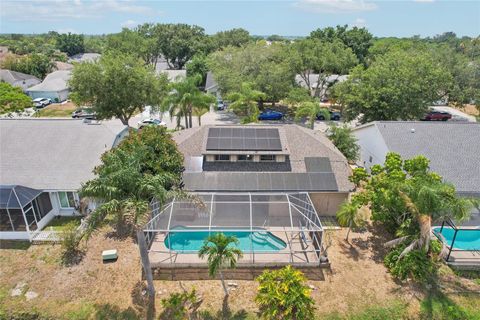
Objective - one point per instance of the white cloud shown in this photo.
(359, 23)
(336, 6)
(129, 24)
(47, 10)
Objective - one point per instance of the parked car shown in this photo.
(84, 113)
(270, 115)
(434, 115)
(221, 105)
(41, 102)
(334, 115)
(151, 122)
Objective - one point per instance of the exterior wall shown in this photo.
(327, 203)
(372, 146)
(56, 205)
(25, 84)
(63, 95)
(44, 94)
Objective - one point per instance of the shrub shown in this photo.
(179, 306)
(70, 242)
(415, 265)
(283, 294)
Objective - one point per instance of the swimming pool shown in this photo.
(465, 240)
(192, 241)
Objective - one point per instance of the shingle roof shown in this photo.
(12, 76)
(452, 147)
(52, 154)
(55, 81)
(297, 142)
(210, 82)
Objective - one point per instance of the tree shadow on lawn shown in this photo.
(438, 306)
(112, 312)
(224, 314)
(376, 241)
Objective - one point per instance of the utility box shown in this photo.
(109, 255)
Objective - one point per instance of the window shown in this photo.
(67, 200)
(222, 157)
(267, 157)
(245, 157)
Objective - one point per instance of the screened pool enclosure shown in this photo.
(272, 228)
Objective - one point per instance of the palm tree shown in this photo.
(428, 199)
(311, 110)
(245, 102)
(221, 251)
(350, 215)
(184, 98)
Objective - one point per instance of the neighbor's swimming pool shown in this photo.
(465, 240)
(192, 241)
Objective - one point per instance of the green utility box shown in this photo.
(109, 255)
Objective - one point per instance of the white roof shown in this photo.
(55, 81)
(53, 154)
(85, 57)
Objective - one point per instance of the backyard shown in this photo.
(57, 110)
(357, 284)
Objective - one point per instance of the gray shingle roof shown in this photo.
(452, 147)
(12, 76)
(298, 143)
(55, 81)
(52, 154)
(210, 82)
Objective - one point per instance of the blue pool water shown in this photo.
(465, 240)
(192, 241)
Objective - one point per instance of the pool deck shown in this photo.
(295, 253)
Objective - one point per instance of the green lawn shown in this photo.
(59, 223)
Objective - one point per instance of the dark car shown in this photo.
(84, 113)
(270, 115)
(434, 115)
(334, 115)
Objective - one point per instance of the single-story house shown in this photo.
(18, 79)
(174, 75)
(84, 57)
(265, 158)
(321, 92)
(54, 87)
(452, 147)
(43, 163)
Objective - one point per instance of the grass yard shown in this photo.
(60, 222)
(57, 110)
(357, 287)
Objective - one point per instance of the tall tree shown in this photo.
(399, 85)
(178, 43)
(185, 98)
(235, 37)
(143, 166)
(310, 56)
(117, 86)
(221, 251)
(343, 138)
(70, 43)
(244, 102)
(35, 64)
(310, 110)
(357, 39)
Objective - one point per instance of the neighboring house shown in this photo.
(84, 57)
(174, 75)
(258, 158)
(321, 91)
(452, 147)
(211, 86)
(54, 86)
(43, 163)
(18, 79)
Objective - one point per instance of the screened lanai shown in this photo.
(280, 228)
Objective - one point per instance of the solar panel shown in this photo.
(244, 139)
(318, 164)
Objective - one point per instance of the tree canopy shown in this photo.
(35, 64)
(117, 86)
(235, 37)
(70, 43)
(399, 85)
(13, 99)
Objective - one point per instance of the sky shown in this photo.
(288, 18)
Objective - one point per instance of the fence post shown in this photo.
(142, 246)
(451, 246)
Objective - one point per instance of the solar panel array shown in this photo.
(260, 181)
(244, 139)
(318, 164)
